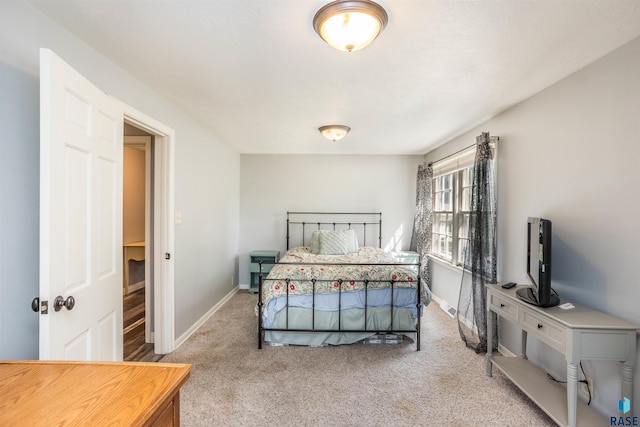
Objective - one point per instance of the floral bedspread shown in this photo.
(334, 273)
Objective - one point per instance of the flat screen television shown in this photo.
(539, 265)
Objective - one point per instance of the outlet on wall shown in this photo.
(233, 280)
(583, 385)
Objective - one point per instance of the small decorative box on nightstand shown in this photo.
(255, 258)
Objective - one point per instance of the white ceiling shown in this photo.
(257, 75)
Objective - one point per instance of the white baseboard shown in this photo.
(182, 338)
(136, 286)
(435, 298)
(452, 312)
(241, 286)
(444, 305)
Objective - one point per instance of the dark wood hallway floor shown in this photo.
(135, 347)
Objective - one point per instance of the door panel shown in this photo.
(106, 197)
(78, 348)
(107, 330)
(80, 214)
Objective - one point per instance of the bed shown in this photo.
(329, 290)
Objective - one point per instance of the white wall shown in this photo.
(271, 185)
(133, 197)
(206, 187)
(572, 154)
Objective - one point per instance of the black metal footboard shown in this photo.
(367, 283)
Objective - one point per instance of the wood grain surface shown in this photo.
(88, 393)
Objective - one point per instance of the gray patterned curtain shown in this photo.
(480, 265)
(421, 236)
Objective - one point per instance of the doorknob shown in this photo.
(60, 302)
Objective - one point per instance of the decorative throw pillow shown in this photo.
(352, 240)
(333, 243)
(315, 241)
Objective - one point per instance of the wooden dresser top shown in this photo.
(86, 393)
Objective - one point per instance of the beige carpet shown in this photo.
(235, 384)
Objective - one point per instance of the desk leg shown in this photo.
(572, 392)
(626, 374)
(491, 317)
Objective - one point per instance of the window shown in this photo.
(452, 191)
(451, 211)
(464, 213)
(442, 232)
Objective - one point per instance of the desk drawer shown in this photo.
(503, 307)
(545, 330)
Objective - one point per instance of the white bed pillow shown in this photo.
(332, 243)
(337, 242)
(352, 240)
(315, 241)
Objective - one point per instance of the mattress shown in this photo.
(340, 292)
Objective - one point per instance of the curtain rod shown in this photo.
(460, 151)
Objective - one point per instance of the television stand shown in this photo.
(526, 294)
(579, 333)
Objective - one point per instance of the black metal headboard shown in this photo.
(368, 225)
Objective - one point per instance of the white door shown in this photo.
(80, 216)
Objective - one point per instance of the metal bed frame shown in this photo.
(392, 283)
(291, 216)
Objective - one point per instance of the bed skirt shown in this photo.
(378, 321)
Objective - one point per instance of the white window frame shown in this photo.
(456, 165)
(451, 234)
(443, 203)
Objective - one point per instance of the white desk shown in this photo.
(580, 333)
(133, 251)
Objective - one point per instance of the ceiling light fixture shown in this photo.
(350, 25)
(334, 132)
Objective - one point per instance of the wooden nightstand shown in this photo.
(254, 267)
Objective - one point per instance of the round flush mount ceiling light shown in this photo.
(350, 25)
(334, 132)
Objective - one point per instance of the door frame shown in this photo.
(144, 142)
(163, 226)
